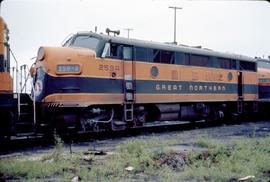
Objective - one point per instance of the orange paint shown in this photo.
(6, 81)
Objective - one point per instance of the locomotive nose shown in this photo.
(54, 66)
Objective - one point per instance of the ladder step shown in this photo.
(24, 123)
(43, 124)
(25, 113)
(119, 123)
(24, 104)
(25, 134)
(128, 111)
(240, 107)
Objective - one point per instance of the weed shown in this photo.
(58, 152)
(227, 162)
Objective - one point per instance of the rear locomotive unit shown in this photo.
(264, 86)
(264, 79)
(98, 82)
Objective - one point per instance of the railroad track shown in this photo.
(25, 141)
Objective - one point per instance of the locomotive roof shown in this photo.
(167, 46)
(262, 59)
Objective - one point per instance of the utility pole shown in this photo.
(175, 8)
(128, 30)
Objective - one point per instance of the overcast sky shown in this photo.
(241, 27)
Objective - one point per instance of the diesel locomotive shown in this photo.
(99, 82)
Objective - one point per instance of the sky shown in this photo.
(240, 27)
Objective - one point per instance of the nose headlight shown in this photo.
(41, 54)
(68, 69)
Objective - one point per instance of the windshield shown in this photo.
(264, 64)
(86, 41)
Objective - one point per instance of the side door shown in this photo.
(128, 82)
(240, 85)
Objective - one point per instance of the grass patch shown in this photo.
(228, 162)
(52, 165)
(150, 161)
(18, 169)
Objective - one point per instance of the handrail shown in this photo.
(24, 67)
(17, 90)
(33, 90)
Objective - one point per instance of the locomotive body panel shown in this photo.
(6, 85)
(177, 83)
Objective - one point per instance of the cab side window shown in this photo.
(116, 51)
(127, 53)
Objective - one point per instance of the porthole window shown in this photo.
(154, 71)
